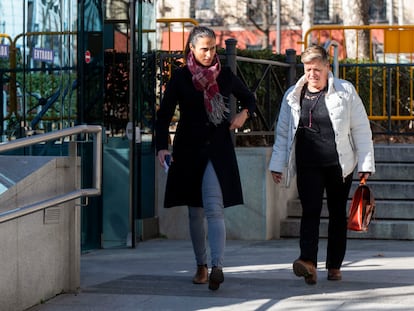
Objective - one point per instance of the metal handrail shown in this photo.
(261, 61)
(88, 192)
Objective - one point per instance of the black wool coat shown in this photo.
(197, 140)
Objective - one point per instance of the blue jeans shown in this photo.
(213, 211)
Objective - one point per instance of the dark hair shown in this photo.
(315, 52)
(196, 33)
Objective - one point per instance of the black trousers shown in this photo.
(312, 183)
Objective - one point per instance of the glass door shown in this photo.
(128, 119)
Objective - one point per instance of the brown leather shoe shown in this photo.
(334, 275)
(216, 278)
(305, 269)
(201, 276)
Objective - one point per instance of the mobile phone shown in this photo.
(167, 162)
(167, 159)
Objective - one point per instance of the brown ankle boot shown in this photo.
(305, 269)
(334, 274)
(201, 276)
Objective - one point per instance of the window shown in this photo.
(203, 11)
(377, 11)
(321, 10)
(204, 5)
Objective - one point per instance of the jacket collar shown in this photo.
(294, 92)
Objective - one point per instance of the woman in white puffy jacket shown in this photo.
(322, 135)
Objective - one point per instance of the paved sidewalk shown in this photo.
(377, 275)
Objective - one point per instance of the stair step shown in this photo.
(389, 190)
(383, 230)
(394, 153)
(393, 189)
(393, 171)
(384, 209)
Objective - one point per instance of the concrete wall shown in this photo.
(40, 252)
(265, 203)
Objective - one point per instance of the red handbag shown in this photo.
(362, 208)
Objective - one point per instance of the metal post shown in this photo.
(291, 60)
(278, 27)
(335, 44)
(389, 99)
(2, 109)
(231, 54)
(132, 149)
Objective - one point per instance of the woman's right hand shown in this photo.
(161, 155)
(277, 177)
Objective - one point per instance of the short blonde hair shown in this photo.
(315, 52)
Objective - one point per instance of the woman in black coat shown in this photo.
(203, 172)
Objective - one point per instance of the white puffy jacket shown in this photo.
(350, 124)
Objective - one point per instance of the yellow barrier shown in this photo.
(170, 21)
(391, 53)
(13, 60)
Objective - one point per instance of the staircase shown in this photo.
(393, 188)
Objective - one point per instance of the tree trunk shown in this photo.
(264, 10)
(355, 13)
(266, 15)
(308, 15)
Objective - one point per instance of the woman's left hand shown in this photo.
(239, 119)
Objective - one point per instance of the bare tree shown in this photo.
(355, 12)
(308, 15)
(261, 15)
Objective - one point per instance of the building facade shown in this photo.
(248, 20)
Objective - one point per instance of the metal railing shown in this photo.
(13, 61)
(385, 78)
(268, 86)
(87, 192)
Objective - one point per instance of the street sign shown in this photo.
(43, 55)
(4, 51)
(87, 56)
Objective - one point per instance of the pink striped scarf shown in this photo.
(204, 79)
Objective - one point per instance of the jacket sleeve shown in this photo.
(166, 112)
(279, 159)
(361, 133)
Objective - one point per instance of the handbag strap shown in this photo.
(363, 182)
